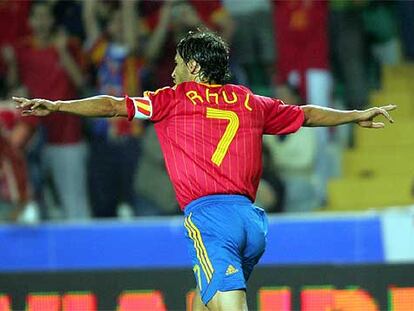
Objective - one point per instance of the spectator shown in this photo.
(47, 64)
(380, 30)
(13, 19)
(349, 49)
(302, 43)
(405, 10)
(153, 175)
(68, 15)
(271, 188)
(13, 25)
(302, 40)
(266, 196)
(253, 42)
(295, 158)
(14, 186)
(116, 143)
(168, 21)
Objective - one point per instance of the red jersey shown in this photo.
(13, 174)
(301, 29)
(14, 16)
(211, 135)
(8, 119)
(42, 73)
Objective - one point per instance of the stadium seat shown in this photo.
(379, 171)
(365, 193)
(377, 161)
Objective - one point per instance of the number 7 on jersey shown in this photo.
(229, 133)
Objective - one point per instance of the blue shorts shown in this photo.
(226, 237)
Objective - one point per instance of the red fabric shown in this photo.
(13, 20)
(41, 72)
(13, 23)
(31, 121)
(8, 118)
(12, 158)
(188, 138)
(205, 10)
(15, 160)
(61, 128)
(301, 38)
(130, 107)
(165, 64)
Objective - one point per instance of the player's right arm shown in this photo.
(96, 106)
(153, 106)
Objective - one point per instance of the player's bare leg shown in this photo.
(234, 300)
(198, 305)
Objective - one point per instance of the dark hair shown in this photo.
(209, 51)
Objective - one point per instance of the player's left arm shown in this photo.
(321, 116)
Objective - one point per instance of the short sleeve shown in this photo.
(162, 100)
(279, 118)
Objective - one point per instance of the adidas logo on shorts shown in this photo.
(231, 270)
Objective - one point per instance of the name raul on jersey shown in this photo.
(214, 98)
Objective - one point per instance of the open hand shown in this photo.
(35, 107)
(366, 118)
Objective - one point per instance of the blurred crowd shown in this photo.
(327, 53)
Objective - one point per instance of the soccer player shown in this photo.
(211, 136)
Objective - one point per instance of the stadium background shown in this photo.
(353, 250)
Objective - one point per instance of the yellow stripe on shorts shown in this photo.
(210, 266)
(201, 251)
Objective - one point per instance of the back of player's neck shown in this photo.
(205, 82)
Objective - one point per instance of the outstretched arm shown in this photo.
(90, 21)
(96, 106)
(129, 19)
(158, 38)
(320, 116)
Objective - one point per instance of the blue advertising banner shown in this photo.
(160, 243)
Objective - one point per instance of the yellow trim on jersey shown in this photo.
(147, 93)
(210, 85)
(246, 102)
(201, 251)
